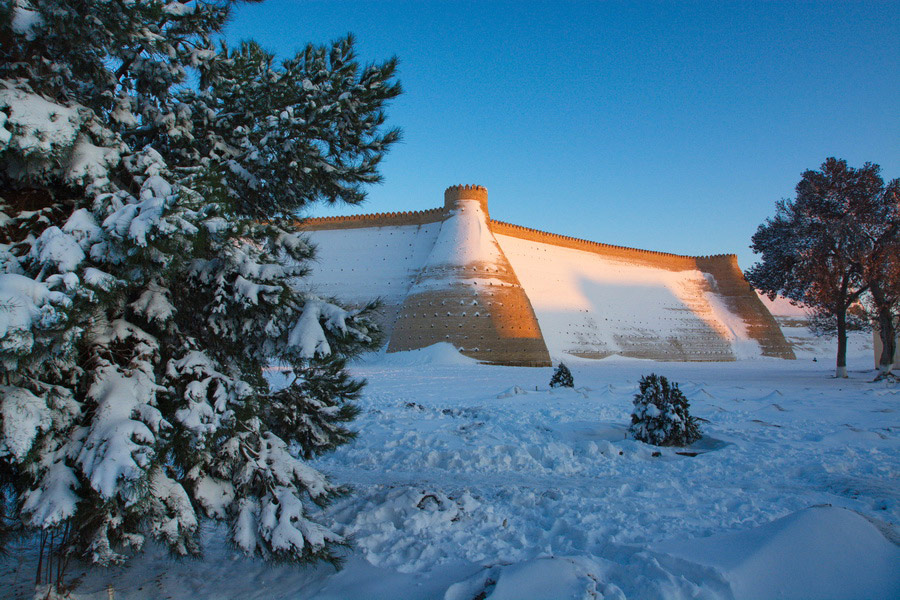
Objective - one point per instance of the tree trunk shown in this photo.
(886, 330)
(841, 367)
(888, 342)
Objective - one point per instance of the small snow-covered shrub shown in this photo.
(562, 377)
(661, 414)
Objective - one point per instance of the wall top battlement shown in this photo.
(455, 193)
(400, 219)
(667, 259)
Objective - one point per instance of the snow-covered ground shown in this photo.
(474, 481)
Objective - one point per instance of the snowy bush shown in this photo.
(661, 414)
(562, 377)
(147, 257)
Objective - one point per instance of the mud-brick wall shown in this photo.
(727, 281)
(741, 299)
(490, 322)
(484, 311)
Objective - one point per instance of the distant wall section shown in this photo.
(691, 318)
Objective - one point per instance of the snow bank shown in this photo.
(817, 553)
(547, 578)
(476, 481)
(442, 353)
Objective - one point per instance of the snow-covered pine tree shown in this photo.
(145, 276)
(562, 377)
(661, 414)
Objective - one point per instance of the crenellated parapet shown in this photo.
(417, 217)
(665, 260)
(455, 194)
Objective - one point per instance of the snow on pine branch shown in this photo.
(138, 220)
(307, 337)
(119, 443)
(277, 522)
(208, 394)
(26, 22)
(154, 305)
(25, 416)
(54, 500)
(26, 305)
(24, 301)
(58, 250)
(249, 291)
(174, 519)
(35, 128)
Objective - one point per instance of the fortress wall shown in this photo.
(360, 264)
(507, 294)
(489, 320)
(727, 281)
(592, 306)
(729, 284)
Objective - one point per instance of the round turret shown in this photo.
(456, 193)
(467, 293)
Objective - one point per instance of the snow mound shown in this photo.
(511, 392)
(443, 353)
(819, 552)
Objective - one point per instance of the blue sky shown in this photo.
(671, 126)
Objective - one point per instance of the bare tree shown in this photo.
(827, 246)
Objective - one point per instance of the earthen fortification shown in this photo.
(474, 300)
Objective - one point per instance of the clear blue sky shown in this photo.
(671, 126)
